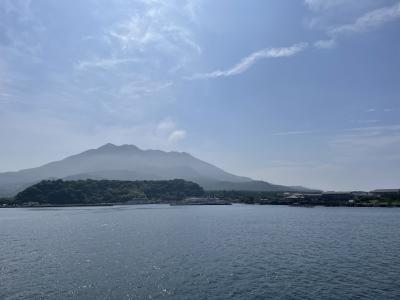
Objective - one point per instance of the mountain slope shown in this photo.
(128, 162)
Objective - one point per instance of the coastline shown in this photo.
(205, 204)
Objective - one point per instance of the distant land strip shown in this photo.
(113, 192)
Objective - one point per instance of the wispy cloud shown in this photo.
(325, 11)
(248, 61)
(105, 63)
(371, 110)
(177, 135)
(369, 20)
(154, 28)
(169, 129)
(112, 82)
(325, 44)
(149, 39)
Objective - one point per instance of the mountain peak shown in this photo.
(107, 146)
(113, 147)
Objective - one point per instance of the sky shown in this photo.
(302, 92)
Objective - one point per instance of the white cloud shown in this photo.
(325, 14)
(146, 42)
(191, 8)
(168, 128)
(177, 135)
(248, 61)
(105, 63)
(136, 32)
(325, 44)
(156, 27)
(368, 21)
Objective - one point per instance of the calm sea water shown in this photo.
(208, 252)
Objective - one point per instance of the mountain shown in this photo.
(128, 162)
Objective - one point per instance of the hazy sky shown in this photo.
(292, 92)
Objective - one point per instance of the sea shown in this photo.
(200, 252)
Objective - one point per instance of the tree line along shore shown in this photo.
(111, 192)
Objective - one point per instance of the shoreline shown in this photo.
(173, 204)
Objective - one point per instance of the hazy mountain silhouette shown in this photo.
(128, 162)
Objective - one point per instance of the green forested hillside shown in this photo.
(106, 191)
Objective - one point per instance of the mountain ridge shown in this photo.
(129, 162)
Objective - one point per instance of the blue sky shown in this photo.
(292, 92)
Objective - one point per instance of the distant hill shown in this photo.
(59, 192)
(128, 162)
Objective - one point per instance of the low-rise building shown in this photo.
(337, 196)
(387, 193)
(295, 196)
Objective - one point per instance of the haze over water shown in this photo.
(163, 252)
